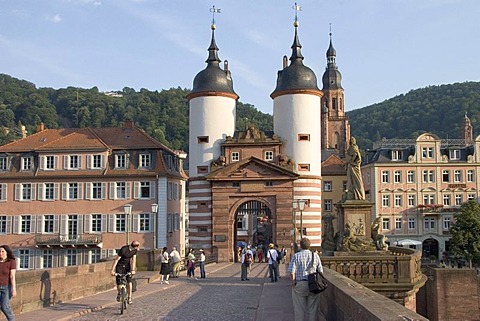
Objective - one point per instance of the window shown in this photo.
(97, 161)
(445, 176)
(24, 258)
(303, 137)
(447, 200)
(73, 162)
(428, 176)
(120, 161)
(144, 221)
(268, 156)
(73, 191)
(47, 258)
(235, 157)
(50, 162)
(49, 191)
(3, 191)
(429, 223)
(385, 176)
(145, 160)
(427, 152)
(120, 223)
(327, 205)
(235, 184)
(27, 163)
(202, 139)
(385, 223)
(411, 200)
(428, 199)
(454, 154)
(202, 169)
(470, 196)
(385, 200)
(96, 223)
(25, 192)
(397, 155)
(3, 164)
(304, 167)
(71, 257)
(447, 222)
(398, 223)
(457, 176)
(3, 224)
(412, 223)
(398, 200)
(95, 255)
(268, 184)
(25, 223)
(145, 190)
(410, 177)
(458, 199)
(48, 223)
(96, 191)
(470, 176)
(120, 190)
(397, 177)
(327, 186)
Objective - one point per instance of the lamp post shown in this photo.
(300, 204)
(154, 212)
(127, 209)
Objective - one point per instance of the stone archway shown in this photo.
(430, 248)
(254, 224)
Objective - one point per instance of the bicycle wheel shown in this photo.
(123, 300)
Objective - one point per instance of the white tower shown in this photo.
(212, 118)
(296, 119)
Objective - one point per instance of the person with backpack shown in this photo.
(246, 260)
(272, 256)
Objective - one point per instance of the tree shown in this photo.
(465, 241)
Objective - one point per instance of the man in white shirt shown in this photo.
(176, 261)
(272, 256)
(246, 259)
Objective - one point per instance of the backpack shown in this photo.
(279, 256)
(248, 258)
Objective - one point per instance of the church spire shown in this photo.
(296, 46)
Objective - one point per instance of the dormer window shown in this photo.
(454, 154)
(72, 161)
(268, 156)
(145, 160)
(96, 161)
(427, 152)
(397, 155)
(235, 157)
(49, 162)
(120, 161)
(3, 164)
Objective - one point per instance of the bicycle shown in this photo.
(123, 290)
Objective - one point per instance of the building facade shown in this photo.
(73, 196)
(417, 186)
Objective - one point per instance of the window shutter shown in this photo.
(33, 224)
(80, 161)
(3, 187)
(80, 224)
(152, 189)
(80, 191)
(65, 162)
(135, 223)
(128, 189)
(16, 224)
(104, 190)
(112, 190)
(56, 191)
(102, 162)
(56, 219)
(89, 161)
(33, 191)
(42, 162)
(55, 162)
(88, 223)
(18, 191)
(40, 191)
(111, 222)
(104, 222)
(136, 190)
(9, 225)
(88, 190)
(40, 223)
(63, 224)
(38, 259)
(64, 191)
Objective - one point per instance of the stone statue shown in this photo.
(328, 240)
(355, 190)
(378, 239)
(350, 243)
(219, 162)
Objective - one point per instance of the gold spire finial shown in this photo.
(214, 10)
(297, 8)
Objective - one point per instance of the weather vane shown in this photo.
(214, 10)
(297, 8)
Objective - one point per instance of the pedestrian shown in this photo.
(246, 260)
(8, 284)
(305, 303)
(191, 265)
(260, 254)
(165, 266)
(176, 261)
(125, 262)
(283, 254)
(272, 256)
(201, 263)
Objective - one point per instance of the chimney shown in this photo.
(40, 127)
(128, 123)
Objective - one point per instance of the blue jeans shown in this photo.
(5, 295)
(202, 269)
(273, 271)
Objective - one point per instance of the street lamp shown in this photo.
(127, 209)
(154, 212)
(300, 204)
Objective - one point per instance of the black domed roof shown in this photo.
(296, 76)
(332, 78)
(213, 78)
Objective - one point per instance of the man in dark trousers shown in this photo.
(126, 261)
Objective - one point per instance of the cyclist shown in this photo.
(126, 261)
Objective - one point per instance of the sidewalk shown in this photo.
(274, 303)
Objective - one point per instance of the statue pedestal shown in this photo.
(358, 214)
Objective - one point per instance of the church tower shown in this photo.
(296, 120)
(335, 125)
(467, 130)
(212, 104)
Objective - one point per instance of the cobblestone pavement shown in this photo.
(220, 296)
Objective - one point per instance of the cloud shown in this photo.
(55, 19)
(87, 2)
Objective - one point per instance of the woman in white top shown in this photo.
(165, 266)
(202, 264)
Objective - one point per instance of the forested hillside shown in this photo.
(436, 109)
(164, 114)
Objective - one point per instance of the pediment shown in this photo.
(252, 169)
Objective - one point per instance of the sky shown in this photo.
(384, 47)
